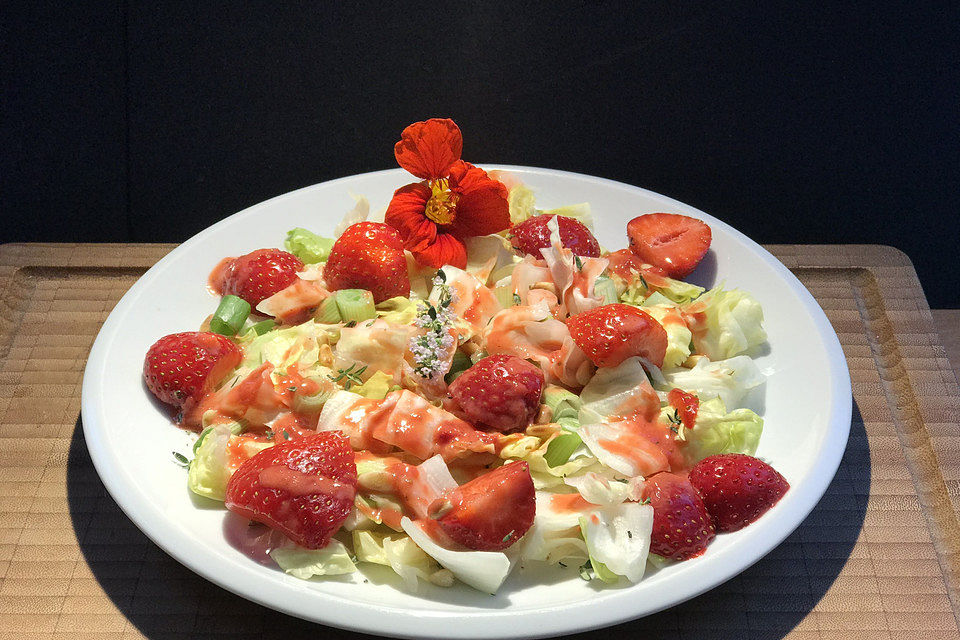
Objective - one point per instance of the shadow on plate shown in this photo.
(163, 599)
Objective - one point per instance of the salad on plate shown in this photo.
(465, 385)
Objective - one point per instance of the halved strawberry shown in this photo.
(500, 392)
(260, 274)
(490, 512)
(614, 332)
(682, 527)
(369, 255)
(736, 488)
(669, 241)
(303, 487)
(182, 367)
(532, 234)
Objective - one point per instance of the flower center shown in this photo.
(442, 205)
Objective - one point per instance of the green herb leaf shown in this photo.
(181, 459)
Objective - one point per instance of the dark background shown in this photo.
(796, 123)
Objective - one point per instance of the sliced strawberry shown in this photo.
(260, 274)
(672, 242)
(682, 527)
(500, 392)
(614, 332)
(369, 255)
(686, 404)
(736, 488)
(182, 367)
(532, 234)
(490, 512)
(303, 487)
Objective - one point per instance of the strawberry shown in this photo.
(260, 274)
(490, 512)
(614, 332)
(303, 487)
(532, 234)
(736, 488)
(682, 527)
(182, 367)
(686, 404)
(369, 255)
(500, 392)
(672, 242)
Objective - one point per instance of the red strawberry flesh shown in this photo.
(259, 274)
(682, 528)
(304, 488)
(670, 241)
(532, 234)
(614, 332)
(369, 255)
(182, 367)
(490, 512)
(737, 489)
(499, 393)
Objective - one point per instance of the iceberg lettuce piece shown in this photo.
(730, 380)
(579, 212)
(618, 539)
(483, 570)
(522, 202)
(398, 310)
(376, 386)
(308, 246)
(555, 534)
(678, 335)
(400, 553)
(617, 391)
(332, 560)
(359, 213)
(295, 346)
(716, 431)
(726, 323)
(639, 290)
(209, 470)
(603, 490)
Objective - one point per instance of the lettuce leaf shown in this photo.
(332, 560)
(398, 310)
(618, 539)
(210, 469)
(376, 386)
(308, 246)
(726, 323)
(400, 553)
(730, 380)
(616, 391)
(716, 431)
(678, 335)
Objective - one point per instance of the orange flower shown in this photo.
(456, 200)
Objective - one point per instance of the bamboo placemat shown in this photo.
(878, 558)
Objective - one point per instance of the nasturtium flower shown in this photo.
(454, 201)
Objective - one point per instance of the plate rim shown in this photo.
(540, 622)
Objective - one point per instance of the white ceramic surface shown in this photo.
(808, 405)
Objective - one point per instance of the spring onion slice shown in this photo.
(561, 448)
(606, 289)
(328, 312)
(355, 305)
(263, 326)
(229, 316)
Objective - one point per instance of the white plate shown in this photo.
(807, 416)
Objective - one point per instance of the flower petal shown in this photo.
(405, 213)
(427, 149)
(446, 249)
(482, 207)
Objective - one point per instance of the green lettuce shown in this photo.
(716, 431)
(678, 335)
(730, 323)
(332, 560)
(307, 245)
(210, 470)
(399, 310)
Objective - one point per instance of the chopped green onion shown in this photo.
(504, 296)
(328, 312)
(356, 305)
(313, 403)
(461, 362)
(606, 289)
(561, 448)
(263, 326)
(229, 316)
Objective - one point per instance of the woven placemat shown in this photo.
(877, 558)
